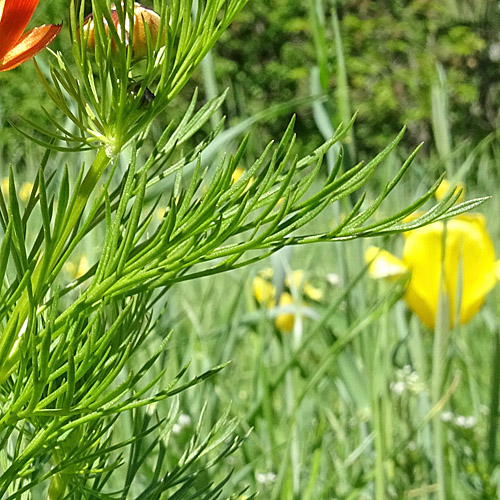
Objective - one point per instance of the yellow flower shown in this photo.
(25, 191)
(236, 175)
(77, 271)
(263, 291)
(265, 294)
(468, 252)
(285, 320)
(83, 266)
(4, 185)
(297, 281)
(160, 213)
(446, 186)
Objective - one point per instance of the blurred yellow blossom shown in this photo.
(78, 270)
(160, 213)
(263, 291)
(265, 294)
(25, 191)
(297, 281)
(83, 266)
(237, 173)
(446, 186)
(284, 321)
(468, 252)
(236, 176)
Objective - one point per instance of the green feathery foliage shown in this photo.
(70, 374)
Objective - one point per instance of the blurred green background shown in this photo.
(391, 49)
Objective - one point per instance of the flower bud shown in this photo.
(142, 16)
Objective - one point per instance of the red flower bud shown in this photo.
(142, 17)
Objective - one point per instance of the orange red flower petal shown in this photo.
(16, 47)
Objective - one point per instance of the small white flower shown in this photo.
(465, 422)
(184, 420)
(265, 477)
(470, 422)
(407, 379)
(414, 383)
(398, 387)
(407, 370)
(447, 416)
(334, 279)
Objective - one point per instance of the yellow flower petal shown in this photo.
(236, 175)
(83, 266)
(77, 270)
(465, 265)
(4, 185)
(312, 292)
(468, 253)
(446, 186)
(284, 321)
(295, 280)
(383, 264)
(25, 191)
(410, 218)
(263, 291)
(468, 242)
(497, 269)
(422, 254)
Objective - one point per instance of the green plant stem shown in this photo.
(9, 345)
(381, 412)
(494, 400)
(101, 161)
(437, 426)
(379, 449)
(208, 71)
(439, 362)
(343, 102)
